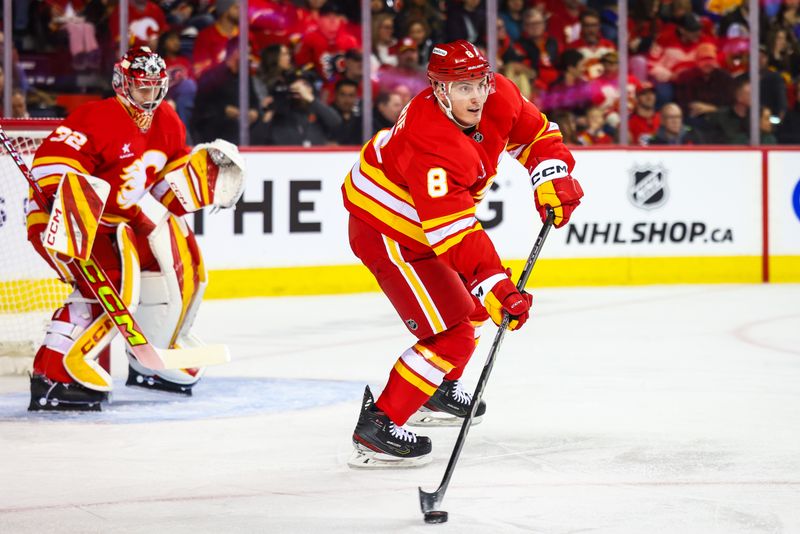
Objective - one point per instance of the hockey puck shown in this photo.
(436, 516)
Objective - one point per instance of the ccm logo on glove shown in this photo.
(548, 170)
(554, 187)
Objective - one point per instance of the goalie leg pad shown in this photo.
(169, 301)
(79, 331)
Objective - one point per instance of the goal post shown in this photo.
(29, 289)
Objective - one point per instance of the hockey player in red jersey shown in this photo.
(136, 146)
(412, 198)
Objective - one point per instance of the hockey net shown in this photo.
(29, 290)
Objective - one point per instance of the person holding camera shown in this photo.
(294, 115)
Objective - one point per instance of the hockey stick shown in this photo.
(429, 502)
(107, 295)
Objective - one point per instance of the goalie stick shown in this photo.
(429, 502)
(107, 295)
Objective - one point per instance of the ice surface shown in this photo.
(615, 410)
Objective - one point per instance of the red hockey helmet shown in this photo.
(140, 78)
(457, 61)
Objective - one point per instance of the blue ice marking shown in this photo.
(213, 398)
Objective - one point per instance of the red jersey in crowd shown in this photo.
(144, 25)
(600, 137)
(669, 56)
(209, 48)
(591, 55)
(323, 45)
(564, 24)
(643, 129)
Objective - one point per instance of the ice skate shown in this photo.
(48, 395)
(379, 443)
(156, 383)
(447, 407)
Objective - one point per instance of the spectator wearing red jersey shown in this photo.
(644, 122)
(592, 45)
(594, 134)
(541, 50)
(330, 40)
(209, 48)
(146, 21)
(564, 21)
(277, 22)
(675, 51)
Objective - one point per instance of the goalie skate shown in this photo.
(52, 396)
(447, 407)
(156, 383)
(379, 443)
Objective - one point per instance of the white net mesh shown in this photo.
(29, 289)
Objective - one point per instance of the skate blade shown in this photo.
(364, 458)
(428, 418)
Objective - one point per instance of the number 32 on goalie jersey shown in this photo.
(437, 182)
(70, 137)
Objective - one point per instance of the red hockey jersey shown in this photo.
(420, 182)
(100, 139)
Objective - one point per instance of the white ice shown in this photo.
(615, 410)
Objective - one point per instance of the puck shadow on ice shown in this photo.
(212, 398)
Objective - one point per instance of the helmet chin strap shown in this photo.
(448, 109)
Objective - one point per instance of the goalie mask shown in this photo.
(459, 61)
(140, 80)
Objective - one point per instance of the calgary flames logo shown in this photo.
(134, 177)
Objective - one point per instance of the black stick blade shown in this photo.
(428, 501)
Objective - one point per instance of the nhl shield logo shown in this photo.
(648, 187)
(412, 324)
(478, 137)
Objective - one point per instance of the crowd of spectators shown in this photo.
(688, 63)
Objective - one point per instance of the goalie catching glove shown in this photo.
(214, 176)
(498, 294)
(554, 187)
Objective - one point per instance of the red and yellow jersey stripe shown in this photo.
(389, 207)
